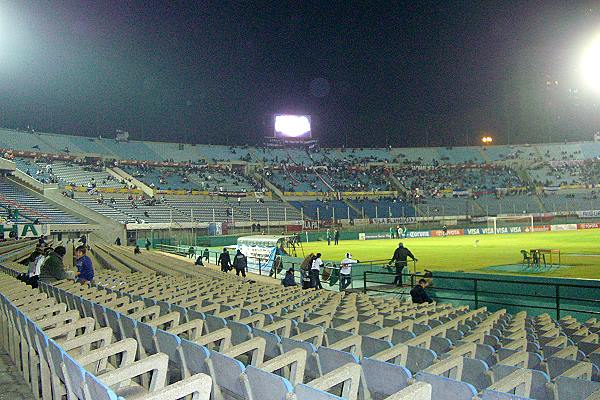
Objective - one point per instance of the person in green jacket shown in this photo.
(53, 268)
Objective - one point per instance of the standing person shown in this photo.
(315, 270)
(191, 252)
(346, 271)
(85, 269)
(148, 244)
(205, 254)
(53, 268)
(240, 262)
(445, 230)
(224, 260)
(418, 293)
(399, 261)
(328, 237)
(400, 232)
(392, 232)
(336, 237)
(83, 240)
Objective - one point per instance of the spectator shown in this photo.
(315, 271)
(85, 269)
(288, 280)
(205, 254)
(118, 241)
(83, 240)
(191, 252)
(199, 261)
(137, 250)
(148, 244)
(418, 293)
(346, 271)
(53, 268)
(240, 263)
(224, 261)
(399, 261)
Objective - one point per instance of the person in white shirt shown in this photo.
(315, 270)
(346, 271)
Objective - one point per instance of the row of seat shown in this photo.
(62, 353)
(329, 336)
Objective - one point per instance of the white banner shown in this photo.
(563, 227)
(589, 214)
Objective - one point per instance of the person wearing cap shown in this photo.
(53, 268)
(346, 271)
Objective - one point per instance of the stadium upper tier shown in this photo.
(30, 207)
(162, 151)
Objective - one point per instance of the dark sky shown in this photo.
(370, 73)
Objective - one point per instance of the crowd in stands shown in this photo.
(585, 172)
(431, 182)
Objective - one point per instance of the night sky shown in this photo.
(370, 73)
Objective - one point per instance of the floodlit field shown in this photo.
(580, 251)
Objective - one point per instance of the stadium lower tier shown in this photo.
(174, 333)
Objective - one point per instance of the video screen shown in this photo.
(292, 126)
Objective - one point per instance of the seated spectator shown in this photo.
(85, 269)
(53, 268)
(418, 293)
(289, 279)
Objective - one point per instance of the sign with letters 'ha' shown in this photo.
(24, 230)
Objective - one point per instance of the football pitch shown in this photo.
(580, 252)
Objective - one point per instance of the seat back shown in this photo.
(262, 385)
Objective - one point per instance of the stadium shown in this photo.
(503, 242)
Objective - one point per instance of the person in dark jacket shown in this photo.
(191, 252)
(137, 250)
(399, 261)
(53, 268)
(118, 241)
(199, 262)
(205, 255)
(418, 293)
(85, 269)
(224, 261)
(148, 244)
(240, 262)
(288, 280)
(336, 237)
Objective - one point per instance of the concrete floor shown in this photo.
(12, 385)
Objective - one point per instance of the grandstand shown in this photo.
(280, 185)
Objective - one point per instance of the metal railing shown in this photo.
(554, 297)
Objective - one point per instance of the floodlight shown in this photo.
(590, 65)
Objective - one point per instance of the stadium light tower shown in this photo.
(487, 140)
(590, 65)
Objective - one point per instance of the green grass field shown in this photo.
(580, 250)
